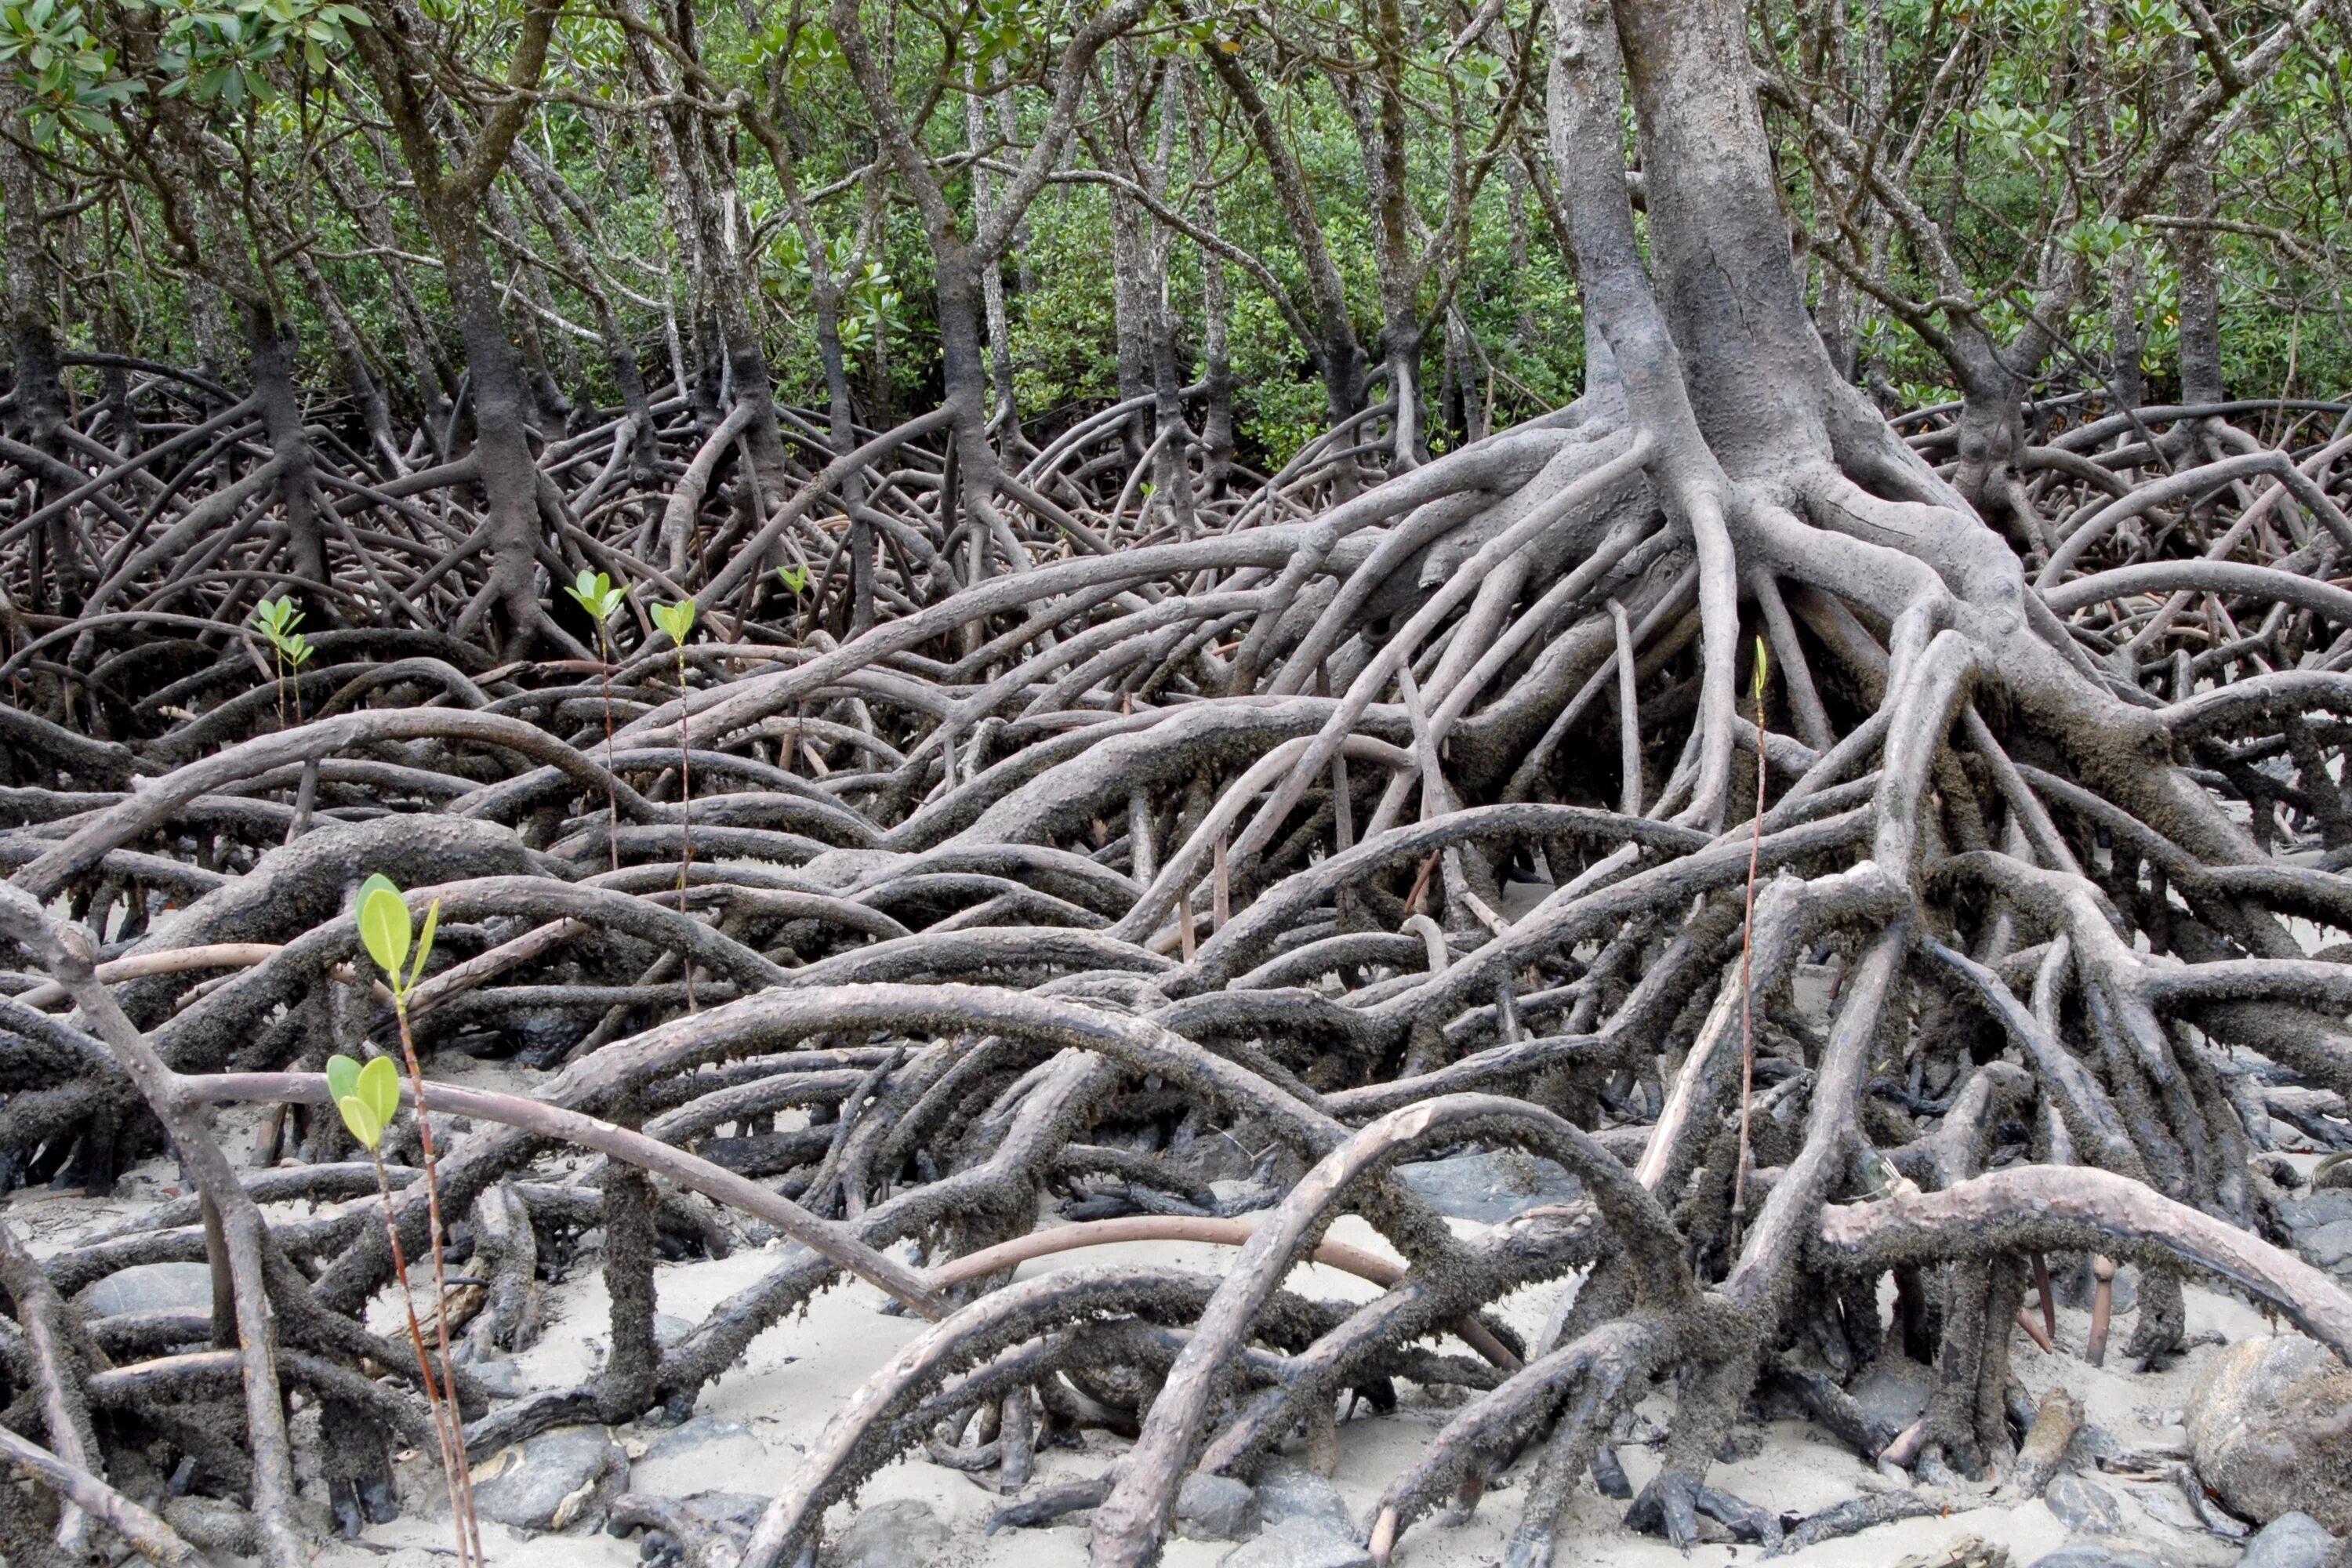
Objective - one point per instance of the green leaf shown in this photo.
(1763, 671)
(342, 1076)
(678, 620)
(383, 927)
(796, 578)
(593, 591)
(425, 942)
(365, 1125)
(379, 1090)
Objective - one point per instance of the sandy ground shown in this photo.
(799, 1371)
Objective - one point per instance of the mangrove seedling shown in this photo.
(369, 1097)
(277, 619)
(678, 621)
(595, 592)
(389, 938)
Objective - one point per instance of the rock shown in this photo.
(1299, 1544)
(2096, 1554)
(1490, 1186)
(696, 1452)
(552, 1480)
(2290, 1541)
(738, 1513)
(2084, 1508)
(2270, 1428)
(1214, 1507)
(151, 1288)
(901, 1534)
(1895, 1390)
(1967, 1551)
(668, 1331)
(1292, 1492)
(2327, 1246)
(2327, 1204)
(500, 1377)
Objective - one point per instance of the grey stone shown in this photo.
(500, 1377)
(1895, 1390)
(696, 1452)
(727, 1511)
(2096, 1554)
(2327, 1246)
(2270, 1428)
(901, 1534)
(553, 1481)
(1490, 1186)
(1299, 1544)
(1285, 1492)
(2290, 1541)
(668, 1331)
(2084, 1508)
(151, 1288)
(1214, 1507)
(2325, 1206)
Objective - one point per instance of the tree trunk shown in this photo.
(2124, 376)
(1339, 355)
(40, 394)
(555, 216)
(2193, 249)
(281, 417)
(1216, 353)
(504, 463)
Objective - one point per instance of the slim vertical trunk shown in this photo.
(1131, 308)
(40, 395)
(1217, 356)
(1381, 129)
(558, 216)
(429, 371)
(1003, 415)
(1338, 355)
(40, 390)
(734, 288)
(2192, 249)
(2125, 377)
(528, 289)
(375, 412)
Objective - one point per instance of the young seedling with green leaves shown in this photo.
(595, 592)
(369, 1097)
(389, 940)
(277, 619)
(678, 622)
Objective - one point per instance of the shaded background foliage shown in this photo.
(1993, 92)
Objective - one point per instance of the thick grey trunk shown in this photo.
(281, 418)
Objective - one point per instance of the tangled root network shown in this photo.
(1689, 788)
